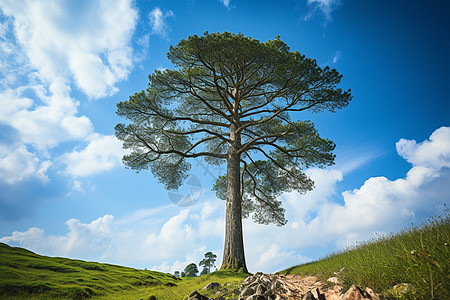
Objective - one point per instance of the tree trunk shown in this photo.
(233, 253)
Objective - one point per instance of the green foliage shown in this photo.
(418, 257)
(230, 92)
(208, 262)
(190, 270)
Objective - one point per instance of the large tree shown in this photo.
(235, 100)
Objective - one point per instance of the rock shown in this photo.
(402, 288)
(277, 284)
(308, 296)
(255, 283)
(371, 294)
(260, 289)
(248, 279)
(353, 293)
(152, 297)
(332, 296)
(221, 291)
(256, 297)
(195, 295)
(334, 280)
(248, 291)
(212, 286)
(334, 293)
(316, 293)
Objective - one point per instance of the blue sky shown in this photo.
(64, 65)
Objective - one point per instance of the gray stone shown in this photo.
(256, 297)
(372, 294)
(195, 295)
(248, 279)
(260, 289)
(334, 280)
(402, 288)
(254, 283)
(353, 293)
(212, 286)
(316, 293)
(276, 285)
(248, 291)
(309, 296)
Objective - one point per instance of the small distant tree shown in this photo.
(204, 271)
(191, 270)
(177, 273)
(208, 262)
(183, 274)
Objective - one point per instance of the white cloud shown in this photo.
(128, 241)
(42, 127)
(275, 259)
(324, 6)
(46, 49)
(379, 205)
(103, 152)
(225, 2)
(90, 241)
(158, 22)
(47, 125)
(88, 41)
(20, 164)
(433, 153)
(337, 57)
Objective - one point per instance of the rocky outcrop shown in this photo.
(285, 287)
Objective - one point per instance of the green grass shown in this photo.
(184, 287)
(418, 256)
(26, 275)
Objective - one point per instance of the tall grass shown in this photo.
(416, 259)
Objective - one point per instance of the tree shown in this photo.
(190, 270)
(204, 271)
(208, 262)
(177, 273)
(232, 99)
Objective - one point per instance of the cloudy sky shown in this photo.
(64, 65)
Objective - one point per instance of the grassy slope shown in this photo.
(26, 275)
(419, 256)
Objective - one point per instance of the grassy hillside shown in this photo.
(26, 275)
(416, 260)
